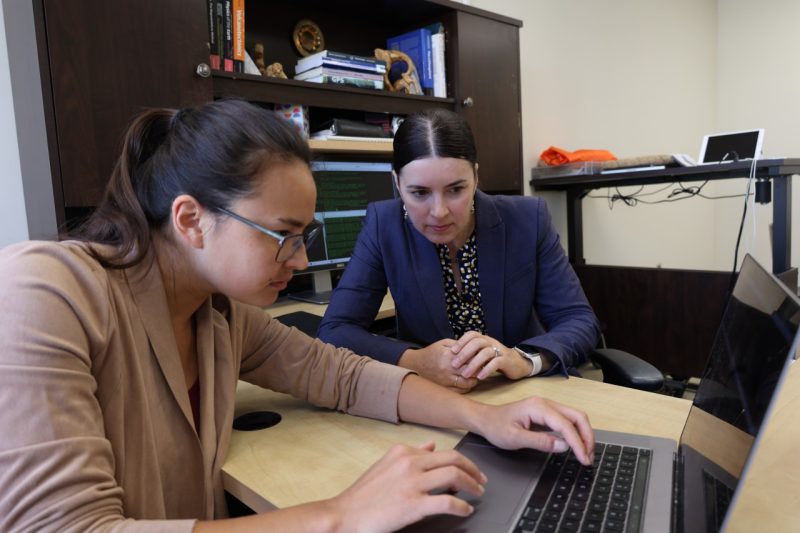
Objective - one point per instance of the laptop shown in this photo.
(731, 146)
(652, 484)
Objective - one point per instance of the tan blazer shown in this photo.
(96, 428)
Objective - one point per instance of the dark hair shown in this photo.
(433, 132)
(212, 152)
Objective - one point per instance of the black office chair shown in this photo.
(625, 369)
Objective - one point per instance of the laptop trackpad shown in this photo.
(512, 476)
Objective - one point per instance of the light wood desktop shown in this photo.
(316, 453)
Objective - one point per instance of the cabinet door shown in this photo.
(487, 76)
(107, 61)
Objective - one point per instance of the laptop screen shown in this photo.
(757, 334)
(731, 146)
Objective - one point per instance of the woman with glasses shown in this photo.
(122, 347)
(480, 283)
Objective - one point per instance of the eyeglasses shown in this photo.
(287, 244)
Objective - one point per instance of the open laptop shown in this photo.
(651, 484)
(731, 146)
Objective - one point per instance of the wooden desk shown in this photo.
(286, 306)
(769, 499)
(316, 453)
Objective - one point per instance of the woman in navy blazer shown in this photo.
(480, 283)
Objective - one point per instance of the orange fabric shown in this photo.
(559, 156)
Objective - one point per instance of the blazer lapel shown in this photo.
(491, 241)
(425, 267)
(148, 292)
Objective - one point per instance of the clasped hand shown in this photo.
(460, 364)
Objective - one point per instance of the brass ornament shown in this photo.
(307, 37)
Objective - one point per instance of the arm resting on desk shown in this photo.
(622, 368)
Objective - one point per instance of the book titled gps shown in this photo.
(333, 59)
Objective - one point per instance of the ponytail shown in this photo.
(213, 152)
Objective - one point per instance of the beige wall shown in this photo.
(642, 77)
(758, 76)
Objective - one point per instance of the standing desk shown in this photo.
(778, 171)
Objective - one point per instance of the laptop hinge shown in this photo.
(677, 493)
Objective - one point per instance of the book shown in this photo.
(330, 71)
(227, 36)
(348, 80)
(237, 35)
(437, 51)
(357, 128)
(213, 36)
(416, 44)
(331, 58)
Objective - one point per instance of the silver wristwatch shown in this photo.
(534, 358)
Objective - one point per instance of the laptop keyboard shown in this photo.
(717, 498)
(608, 496)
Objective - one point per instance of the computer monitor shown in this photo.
(344, 188)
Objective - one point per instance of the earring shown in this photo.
(405, 213)
(472, 207)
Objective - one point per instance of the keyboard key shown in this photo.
(591, 526)
(569, 525)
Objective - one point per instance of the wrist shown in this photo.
(477, 414)
(408, 359)
(534, 361)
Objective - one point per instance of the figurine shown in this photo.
(408, 79)
(275, 70)
(258, 58)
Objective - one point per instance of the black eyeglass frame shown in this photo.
(296, 240)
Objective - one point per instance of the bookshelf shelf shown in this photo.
(333, 146)
(274, 90)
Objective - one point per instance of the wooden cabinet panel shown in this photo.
(667, 317)
(107, 61)
(487, 78)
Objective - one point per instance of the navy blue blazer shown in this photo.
(530, 294)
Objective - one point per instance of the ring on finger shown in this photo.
(496, 351)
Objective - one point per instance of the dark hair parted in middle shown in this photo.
(433, 132)
(213, 152)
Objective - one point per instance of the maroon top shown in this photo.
(194, 399)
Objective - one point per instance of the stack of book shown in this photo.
(328, 66)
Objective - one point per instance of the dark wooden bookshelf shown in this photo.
(102, 62)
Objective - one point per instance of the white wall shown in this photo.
(13, 222)
(758, 76)
(642, 77)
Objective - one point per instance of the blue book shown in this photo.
(417, 45)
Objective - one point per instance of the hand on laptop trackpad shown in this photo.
(510, 476)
